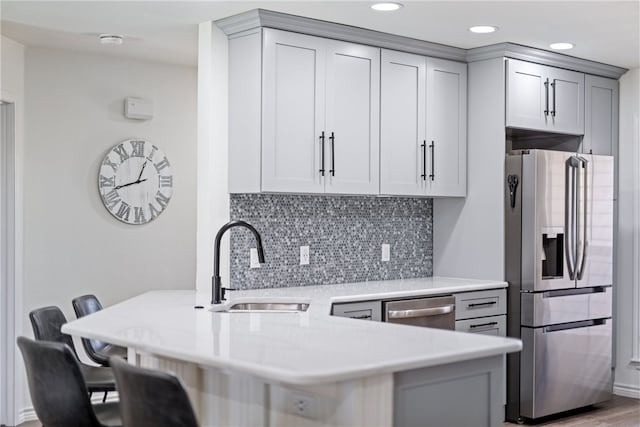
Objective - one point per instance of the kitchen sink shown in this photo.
(267, 307)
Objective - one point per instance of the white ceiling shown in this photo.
(604, 31)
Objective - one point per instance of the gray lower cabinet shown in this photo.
(482, 312)
(365, 310)
(493, 325)
(464, 394)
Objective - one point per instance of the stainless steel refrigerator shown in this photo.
(559, 265)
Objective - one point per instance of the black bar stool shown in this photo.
(58, 390)
(46, 323)
(98, 351)
(151, 398)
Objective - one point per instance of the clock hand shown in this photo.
(131, 183)
(142, 170)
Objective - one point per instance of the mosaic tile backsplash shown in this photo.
(344, 233)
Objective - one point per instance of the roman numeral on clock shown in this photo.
(123, 211)
(166, 181)
(137, 148)
(112, 198)
(106, 181)
(161, 164)
(119, 149)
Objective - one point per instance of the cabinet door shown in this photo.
(600, 116)
(352, 118)
(566, 101)
(446, 128)
(293, 112)
(527, 95)
(402, 124)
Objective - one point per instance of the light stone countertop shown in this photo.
(293, 348)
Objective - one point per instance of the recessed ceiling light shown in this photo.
(561, 46)
(111, 39)
(483, 29)
(386, 7)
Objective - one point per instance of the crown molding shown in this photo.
(314, 27)
(257, 18)
(544, 57)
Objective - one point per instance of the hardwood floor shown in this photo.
(618, 412)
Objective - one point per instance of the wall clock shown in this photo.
(135, 181)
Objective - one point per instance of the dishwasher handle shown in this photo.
(421, 312)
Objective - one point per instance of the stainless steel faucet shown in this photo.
(217, 291)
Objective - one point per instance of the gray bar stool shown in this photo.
(98, 351)
(58, 390)
(46, 323)
(151, 398)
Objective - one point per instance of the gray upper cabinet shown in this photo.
(317, 130)
(403, 165)
(352, 126)
(293, 112)
(423, 126)
(447, 127)
(600, 116)
(544, 98)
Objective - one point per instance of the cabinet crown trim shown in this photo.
(314, 27)
(257, 18)
(544, 57)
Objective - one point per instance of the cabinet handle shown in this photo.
(332, 171)
(553, 86)
(424, 160)
(433, 160)
(546, 97)
(483, 325)
(322, 154)
(481, 304)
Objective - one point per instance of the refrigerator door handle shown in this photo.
(575, 325)
(569, 216)
(581, 227)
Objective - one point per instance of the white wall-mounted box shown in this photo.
(138, 108)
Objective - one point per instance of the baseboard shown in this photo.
(26, 414)
(626, 390)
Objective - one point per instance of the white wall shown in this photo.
(12, 90)
(74, 115)
(627, 377)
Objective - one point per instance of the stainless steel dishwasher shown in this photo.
(434, 312)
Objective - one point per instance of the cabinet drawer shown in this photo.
(367, 310)
(481, 304)
(494, 325)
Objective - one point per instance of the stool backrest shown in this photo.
(56, 385)
(151, 398)
(47, 322)
(83, 306)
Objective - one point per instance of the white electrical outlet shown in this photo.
(302, 405)
(253, 258)
(386, 252)
(304, 255)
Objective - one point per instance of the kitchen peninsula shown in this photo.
(309, 368)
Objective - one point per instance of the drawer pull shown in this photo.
(421, 312)
(483, 325)
(481, 304)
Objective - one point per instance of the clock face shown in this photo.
(135, 181)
